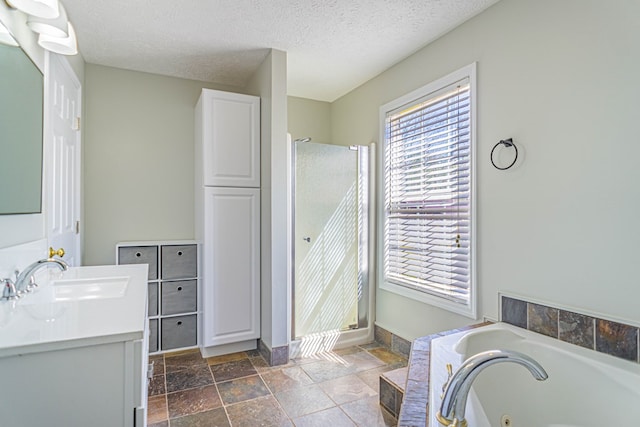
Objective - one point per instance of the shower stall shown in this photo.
(331, 299)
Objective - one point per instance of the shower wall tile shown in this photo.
(264, 351)
(543, 320)
(275, 356)
(382, 336)
(576, 329)
(514, 312)
(605, 336)
(388, 396)
(400, 345)
(280, 355)
(617, 339)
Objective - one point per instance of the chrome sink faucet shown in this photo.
(24, 281)
(454, 401)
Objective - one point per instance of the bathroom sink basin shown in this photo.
(89, 288)
(76, 308)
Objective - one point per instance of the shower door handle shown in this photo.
(307, 239)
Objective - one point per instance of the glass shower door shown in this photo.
(328, 231)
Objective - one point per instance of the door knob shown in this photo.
(59, 252)
(307, 239)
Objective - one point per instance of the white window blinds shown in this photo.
(427, 194)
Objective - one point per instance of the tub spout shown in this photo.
(454, 401)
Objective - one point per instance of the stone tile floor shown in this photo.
(336, 389)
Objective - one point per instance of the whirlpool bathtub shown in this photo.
(584, 389)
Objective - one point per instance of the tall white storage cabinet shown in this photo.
(228, 220)
(230, 130)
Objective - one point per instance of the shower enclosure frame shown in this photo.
(364, 332)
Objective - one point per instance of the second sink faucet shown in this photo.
(24, 279)
(454, 401)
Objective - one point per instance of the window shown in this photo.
(427, 197)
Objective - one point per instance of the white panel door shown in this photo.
(62, 157)
(231, 265)
(231, 139)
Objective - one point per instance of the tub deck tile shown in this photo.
(617, 339)
(415, 404)
(576, 328)
(514, 312)
(543, 319)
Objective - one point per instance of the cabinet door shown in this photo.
(231, 265)
(231, 139)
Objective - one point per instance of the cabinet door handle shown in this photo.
(138, 254)
(179, 322)
(179, 288)
(179, 253)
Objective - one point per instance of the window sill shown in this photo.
(423, 297)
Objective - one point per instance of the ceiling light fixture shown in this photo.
(49, 19)
(62, 45)
(56, 27)
(41, 8)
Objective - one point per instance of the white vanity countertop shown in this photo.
(78, 307)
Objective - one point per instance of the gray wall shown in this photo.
(309, 118)
(270, 83)
(138, 159)
(560, 77)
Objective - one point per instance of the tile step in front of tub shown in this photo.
(392, 386)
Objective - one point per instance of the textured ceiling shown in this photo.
(332, 46)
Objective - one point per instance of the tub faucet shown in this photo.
(454, 401)
(25, 281)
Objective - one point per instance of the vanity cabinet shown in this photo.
(76, 358)
(101, 385)
(227, 179)
(172, 307)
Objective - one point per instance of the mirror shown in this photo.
(21, 117)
